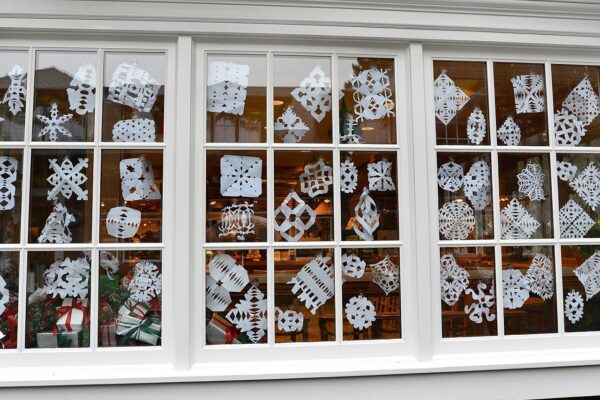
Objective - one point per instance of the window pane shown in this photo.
(9, 298)
(13, 89)
(11, 179)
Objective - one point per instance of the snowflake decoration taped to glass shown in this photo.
(352, 266)
(386, 275)
(123, 222)
(67, 278)
(54, 124)
(476, 127)
(509, 133)
(574, 221)
(541, 277)
(314, 283)
(450, 176)
(348, 176)
(67, 179)
(568, 129)
(4, 295)
(574, 306)
(481, 305)
(8, 176)
(531, 181)
(583, 102)
(137, 180)
(289, 320)
(516, 221)
(137, 130)
(476, 184)
(529, 93)
(237, 220)
(226, 87)
(456, 220)
(16, 93)
(350, 132)
(366, 218)
(515, 288)
(82, 93)
(449, 98)
(290, 127)
(588, 274)
(109, 263)
(565, 170)
(229, 275)
(372, 94)
(250, 314)
(146, 283)
(587, 185)
(241, 176)
(316, 178)
(297, 219)
(360, 312)
(454, 279)
(314, 93)
(134, 87)
(56, 229)
(380, 176)
(217, 297)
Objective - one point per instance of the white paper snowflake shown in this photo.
(250, 314)
(314, 93)
(290, 127)
(476, 185)
(17, 92)
(217, 297)
(482, 304)
(450, 176)
(316, 178)
(386, 275)
(82, 93)
(56, 229)
(531, 182)
(352, 266)
(587, 185)
(348, 176)
(289, 320)
(237, 220)
(350, 132)
(8, 176)
(226, 87)
(314, 283)
(137, 180)
(565, 170)
(510, 133)
(366, 219)
(4, 295)
(568, 129)
(123, 222)
(372, 94)
(109, 263)
(588, 274)
(360, 312)
(67, 278)
(241, 176)
(133, 87)
(476, 127)
(583, 102)
(54, 124)
(541, 277)
(146, 283)
(456, 220)
(574, 306)
(137, 130)
(454, 279)
(515, 288)
(529, 93)
(380, 176)
(297, 218)
(67, 179)
(574, 221)
(516, 222)
(225, 276)
(449, 99)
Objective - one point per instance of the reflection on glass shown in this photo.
(11, 178)
(9, 280)
(13, 92)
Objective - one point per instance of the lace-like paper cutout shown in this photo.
(449, 99)
(456, 220)
(583, 102)
(4, 295)
(289, 320)
(372, 94)
(314, 283)
(237, 220)
(297, 219)
(123, 222)
(146, 283)
(67, 278)
(109, 263)
(138, 130)
(241, 176)
(587, 185)
(515, 288)
(573, 306)
(67, 179)
(568, 129)
(510, 133)
(366, 219)
(517, 223)
(476, 127)
(476, 184)
(350, 131)
(314, 93)
(352, 266)
(54, 124)
(227, 83)
(450, 176)
(541, 277)
(482, 304)
(565, 170)
(137, 180)
(133, 87)
(529, 93)
(316, 178)
(531, 182)
(386, 275)
(82, 93)
(380, 176)
(56, 229)
(588, 274)
(8, 175)
(250, 314)
(17, 92)
(227, 274)
(454, 279)
(348, 176)
(574, 221)
(360, 312)
(290, 127)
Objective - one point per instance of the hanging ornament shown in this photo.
(17, 92)
(314, 93)
(67, 179)
(366, 219)
(350, 131)
(449, 99)
(574, 221)
(348, 176)
(380, 176)
(137, 180)
(482, 304)
(137, 130)
(250, 314)
(289, 320)
(352, 266)
(372, 94)
(237, 220)
(573, 306)
(476, 128)
(565, 170)
(314, 283)
(588, 274)
(386, 275)
(8, 177)
(4, 295)
(146, 283)
(516, 288)
(456, 220)
(568, 129)
(241, 176)
(82, 93)
(290, 127)
(517, 223)
(454, 279)
(226, 87)
(123, 222)
(109, 263)
(54, 124)
(316, 178)
(583, 102)
(476, 184)
(133, 87)
(360, 312)
(531, 181)
(529, 93)
(587, 185)
(541, 277)
(67, 278)
(299, 218)
(510, 133)
(56, 229)
(450, 176)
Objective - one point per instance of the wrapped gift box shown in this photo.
(72, 314)
(107, 334)
(134, 308)
(51, 340)
(143, 330)
(220, 331)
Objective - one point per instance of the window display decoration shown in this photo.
(227, 274)
(142, 329)
(4, 297)
(531, 181)
(476, 127)
(67, 179)
(449, 98)
(290, 127)
(456, 220)
(314, 93)
(482, 304)
(450, 176)
(516, 221)
(588, 274)
(300, 218)
(56, 229)
(137, 130)
(146, 283)
(476, 184)
(250, 314)
(137, 180)
(316, 178)
(67, 278)
(314, 283)
(541, 277)
(123, 222)
(241, 176)
(583, 102)
(134, 87)
(352, 266)
(109, 263)
(574, 306)
(237, 220)
(565, 170)
(372, 94)
(509, 133)
(360, 312)
(568, 129)
(574, 221)
(217, 297)
(366, 218)
(386, 275)
(587, 185)
(54, 124)
(380, 176)
(350, 132)
(227, 83)
(454, 279)
(515, 287)
(289, 320)
(17, 92)
(82, 93)
(8, 175)
(529, 93)
(348, 176)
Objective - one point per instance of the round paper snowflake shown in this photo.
(565, 170)
(146, 282)
(450, 176)
(476, 126)
(360, 312)
(68, 278)
(456, 220)
(531, 182)
(353, 266)
(573, 306)
(454, 279)
(516, 288)
(568, 129)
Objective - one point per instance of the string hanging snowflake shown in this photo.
(574, 306)
(456, 220)
(316, 178)
(123, 222)
(290, 127)
(137, 130)
(350, 132)
(348, 176)
(568, 129)
(146, 283)
(109, 263)
(225, 276)
(17, 92)
(67, 278)
(476, 127)
(134, 87)
(588, 274)
(583, 102)
(372, 94)
(314, 283)
(352, 266)
(449, 98)
(509, 133)
(4, 295)
(529, 93)
(237, 220)
(541, 277)
(517, 223)
(574, 221)
(298, 218)
(386, 275)
(515, 287)
(82, 93)
(454, 279)
(565, 170)
(226, 87)
(67, 179)
(56, 229)
(289, 320)
(137, 180)
(587, 185)
(8, 176)
(360, 312)
(54, 124)
(476, 184)
(482, 304)
(450, 176)
(314, 93)
(380, 176)
(241, 176)
(366, 219)
(531, 182)
(250, 314)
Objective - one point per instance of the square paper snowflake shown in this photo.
(290, 127)
(133, 87)
(226, 90)
(82, 93)
(372, 94)
(137, 180)
(250, 314)
(136, 130)
(529, 93)
(380, 176)
(583, 102)
(314, 283)
(449, 98)
(316, 178)
(517, 223)
(314, 93)
(588, 274)
(67, 179)
(241, 176)
(574, 221)
(587, 185)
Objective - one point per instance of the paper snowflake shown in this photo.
(250, 314)
(583, 102)
(482, 304)
(133, 87)
(360, 312)
(541, 277)
(56, 229)
(449, 98)
(82, 93)
(217, 297)
(241, 176)
(109, 263)
(8, 176)
(16, 93)
(348, 176)
(67, 179)
(237, 220)
(54, 124)
(146, 283)
(290, 127)
(531, 182)
(516, 222)
(137, 180)
(515, 288)
(476, 184)
(588, 274)
(226, 87)
(289, 320)
(456, 220)
(565, 170)
(574, 306)
(386, 275)
(350, 132)
(366, 219)
(568, 129)
(380, 176)
(4, 295)
(372, 94)
(316, 178)
(352, 266)
(476, 128)
(123, 222)
(450, 176)
(314, 93)
(587, 185)
(138, 130)
(314, 283)
(298, 218)
(67, 278)
(510, 133)
(229, 275)
(454, 279)
(529, 93)
(574, 221)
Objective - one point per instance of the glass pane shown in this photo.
(65, 91)
(304, 295)
(134, 97)
(11, 179)
(129, 305)
(61, 196)
(461, 103)
(131, 196)
(302, 94)
(236, 196)
(367, 108)
(236, 296)
(467, 292)
(303, 196)
(371, 296)
(528, 282)
(58, 295)
(520, 104)
(13, 89)
(9, 298)
(236, 103)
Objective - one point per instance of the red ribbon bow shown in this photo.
(68, 310)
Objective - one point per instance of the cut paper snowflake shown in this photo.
(350, 132)
(541, 277)
(56, 229)
(449, 98)
(476, 184)
(82, 93)
(133, 87)
(298, 218)
(588, 274)
(314, 283)
(137, 180)
(8, 176)
(573, 306)
(17, 92)
(482, 304)
(531, 182)
(476, 127)
(456, 220)
(372, 94)
(314, 93)
(352, 266)
(348, 176)
(454, 279)
(366, 219)
(574, 221)
(568, 129)
(517, 223)
(109, 263)
(223, 71)
(67, 278)
(529, 93)
(515, 288)
(227, 83)
(67, 179)
(237, 220)
(510, 133)
(289, 320)
(360, 312)
(386, 275)
(380, 176)
(481, 198)
(316, 178)
(54, 124)
(565, 170)
(4, 295)
(138, 130)
(290, 127)
(241, 176)
(583, 102)
(250, 314)
(227, 274)
(217, 297)
(123, 222)
(587, 185)
(146, 283)
(450, 176)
